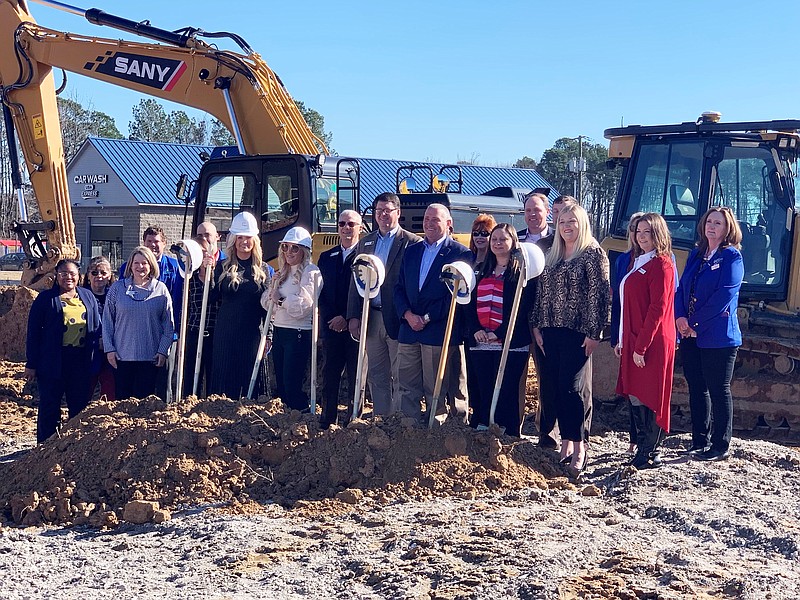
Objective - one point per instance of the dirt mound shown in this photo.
(15, 304)
(142, 456)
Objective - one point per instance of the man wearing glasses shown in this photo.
(389, 243)
(341, 349)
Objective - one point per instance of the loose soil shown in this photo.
(225, 499)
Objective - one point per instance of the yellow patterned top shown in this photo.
(74, 321)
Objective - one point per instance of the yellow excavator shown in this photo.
(680, 171)
(280, 174)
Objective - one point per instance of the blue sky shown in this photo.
(498, 80)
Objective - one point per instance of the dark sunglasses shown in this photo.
(352, 224)
(290, 248)
(99, 273)
(481, 233)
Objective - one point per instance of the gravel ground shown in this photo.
(687, 530)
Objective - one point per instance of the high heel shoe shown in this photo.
(576, 470)
(566, 460)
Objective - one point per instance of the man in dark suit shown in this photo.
(423, 302)
(341, 350)
(537, 207)
(388, 243)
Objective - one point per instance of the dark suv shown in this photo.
(12, 261)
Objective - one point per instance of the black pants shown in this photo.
(548, 412)
(340, 351)
(291, 350)
(482, 368)
(708, 372)
(72, 382)
(566, 365)
(190, 354)
(136, 379)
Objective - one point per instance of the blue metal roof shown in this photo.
(150, 170)
(380, 175)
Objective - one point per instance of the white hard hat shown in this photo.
(244, 224)
(368, 266)
(462, 275)
(299, 236)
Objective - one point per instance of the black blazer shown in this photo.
(433, 298)
(402, 240)
(46, 331)
(336, 277)
(521, 335)
(545, 243)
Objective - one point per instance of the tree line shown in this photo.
(153, 123)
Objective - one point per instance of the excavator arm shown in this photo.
(238, 89)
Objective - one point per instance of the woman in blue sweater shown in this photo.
(705, 316)
(138, 325)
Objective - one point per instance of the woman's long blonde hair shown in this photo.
(282, 274)
(585, 239)
(231, 268)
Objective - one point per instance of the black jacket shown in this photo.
(336, 278)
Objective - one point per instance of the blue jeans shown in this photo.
(708, 372)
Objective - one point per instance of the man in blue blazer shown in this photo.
(422, 302)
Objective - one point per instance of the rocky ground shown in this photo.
(221, 499)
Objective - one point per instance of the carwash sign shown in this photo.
(150, 71)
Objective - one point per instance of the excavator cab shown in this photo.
(680, 171)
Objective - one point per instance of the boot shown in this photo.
(648, 456)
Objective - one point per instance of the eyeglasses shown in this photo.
(481, 233)
(352, 224)
(137, 294)
(385, 211)
(99, 273)
(290, 248)
(67, 274)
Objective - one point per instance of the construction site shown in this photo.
(232, 498)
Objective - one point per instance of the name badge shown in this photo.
(715, 266)
(334, 254)
(642, 271)
(370, 243)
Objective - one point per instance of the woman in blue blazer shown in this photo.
(63, 327)
(705, 316)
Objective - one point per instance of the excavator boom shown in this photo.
(238, 89)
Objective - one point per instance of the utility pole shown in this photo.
(578, 165)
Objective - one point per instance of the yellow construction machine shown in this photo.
(680, 171)
(280, 174)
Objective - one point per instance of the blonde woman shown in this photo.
(138, 325)
(292, 296)
(572, 308)
(239, 281)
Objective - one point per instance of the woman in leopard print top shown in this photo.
(572, 307)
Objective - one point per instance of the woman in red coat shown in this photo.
(647, 337)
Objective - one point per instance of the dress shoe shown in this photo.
(712, 454)
(695, 450)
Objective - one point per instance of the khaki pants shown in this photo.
(417, 366)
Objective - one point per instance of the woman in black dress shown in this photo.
(239, 282)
